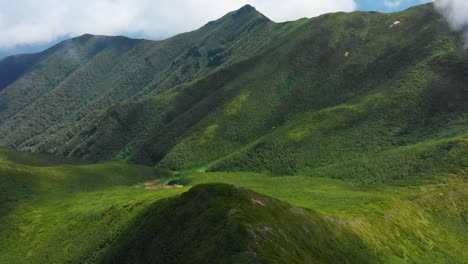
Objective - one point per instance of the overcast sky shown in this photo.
(38, 23)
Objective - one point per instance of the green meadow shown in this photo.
(80, 213)
(335, 139)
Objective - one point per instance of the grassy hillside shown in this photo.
(244, 90)
(234, 225)
(90, 73)
(336, 139)
(115, 212)
(307, 106)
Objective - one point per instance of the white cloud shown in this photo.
(36, 21)
(456, 13)
(393, 4)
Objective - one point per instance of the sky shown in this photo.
(33, 25)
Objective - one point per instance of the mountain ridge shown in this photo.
(337, 139)
(159, 97)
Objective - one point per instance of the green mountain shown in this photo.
(244, 93)
(350, 132)
(79, 79)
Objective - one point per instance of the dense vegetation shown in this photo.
(244, 93)
(336, 139)
(110, 213)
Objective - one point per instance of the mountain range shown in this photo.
(372, 107)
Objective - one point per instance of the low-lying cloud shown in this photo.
(456, 13)
(39, 21)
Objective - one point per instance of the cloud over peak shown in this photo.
(39, 21)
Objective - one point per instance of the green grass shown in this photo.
(42, 160)
(359, 159)
(235, 225)
(89, 213)
(61, 207)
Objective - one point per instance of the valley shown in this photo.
(99, 208)
(337, 139)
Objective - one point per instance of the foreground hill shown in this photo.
(244, 93)
(337, 139)
(55, 211)
(234, 225)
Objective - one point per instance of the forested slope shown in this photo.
(245, 93)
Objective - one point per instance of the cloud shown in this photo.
(456, 13)
(393, 4)
(40, 21)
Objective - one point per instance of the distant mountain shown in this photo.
(350, 129)
(245, 93)
(29, 48)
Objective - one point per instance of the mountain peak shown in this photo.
(243, 15)
(247, 10)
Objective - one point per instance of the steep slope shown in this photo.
(51, 88)
(304, 104)
(244, 93)
(14, 66)
(99, 76)
(366, 122)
